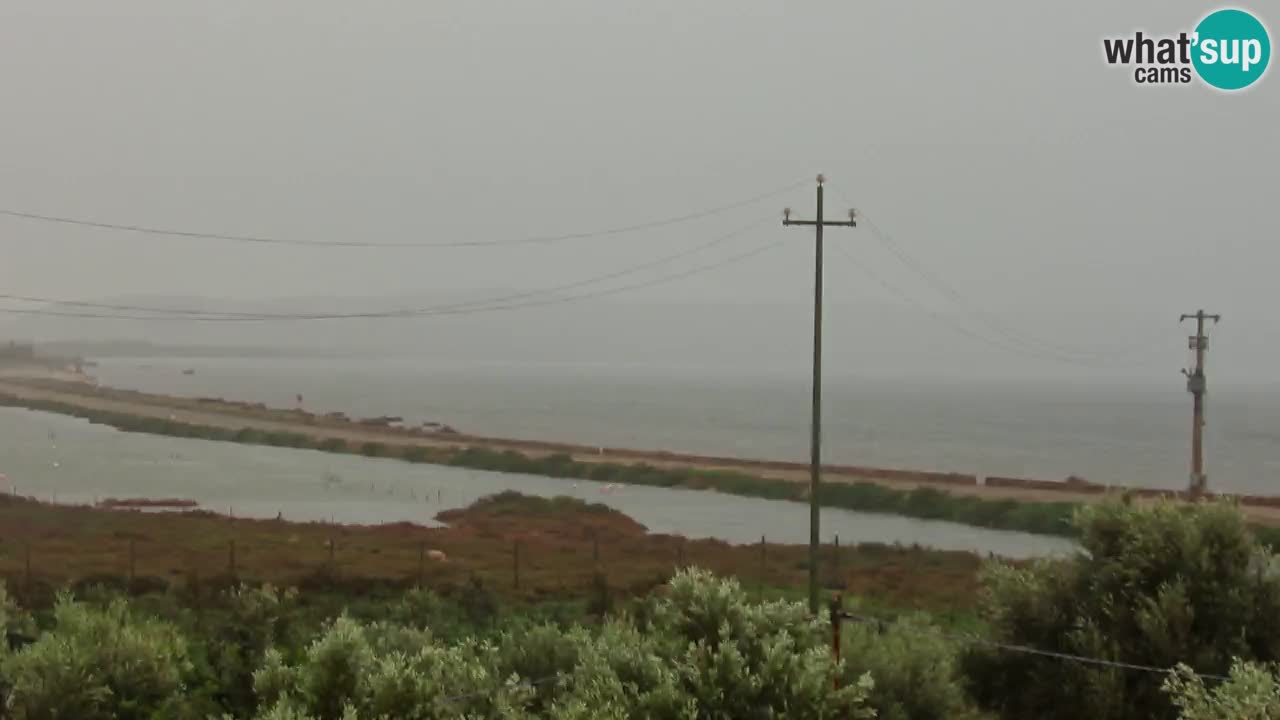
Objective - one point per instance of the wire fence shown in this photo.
(196, 553)
(838, 615)
(546, 568)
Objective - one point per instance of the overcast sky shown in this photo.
(989, 139)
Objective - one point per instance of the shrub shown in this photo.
(540, 651)
(285, 439)
(249, 435)
(416, 454)
(332, 445)
(600, 600)
(479, 603)
(913, 665)
(345, 674)
(1153, 586)
(739, 659)
(255, 620)
(1250, 693)
(98, 663)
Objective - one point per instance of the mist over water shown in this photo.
(1120, 434)
(54, 457)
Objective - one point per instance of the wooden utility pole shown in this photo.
(815, 439)
(1196, 386)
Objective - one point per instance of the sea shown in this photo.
(62, 459)
(1115, 433)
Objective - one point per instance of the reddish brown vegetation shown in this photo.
(560, 548)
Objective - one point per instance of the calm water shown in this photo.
(1107, 434)
(70, 460)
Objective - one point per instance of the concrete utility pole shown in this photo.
(1196, 386)
(815, 446)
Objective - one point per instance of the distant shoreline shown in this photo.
(950, 496)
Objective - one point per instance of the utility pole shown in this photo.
(815, 445)
(1196, 386)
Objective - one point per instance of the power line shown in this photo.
(1027, 650)
(482, 693)
(423, 312)
(947, 321)
(1011, 334)
(267, 240)
(629, 270)
(228, 315)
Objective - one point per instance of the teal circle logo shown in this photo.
(1231, 49)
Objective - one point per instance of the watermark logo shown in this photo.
(1229, 49)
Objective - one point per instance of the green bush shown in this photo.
(914, 666)
(539, 651)
(1152, 585)
(345, 673)
(333, 445)
(1252, 692)
(417, 454)
(249, 435)
(253, 620)
(98, 664)
(424, 609)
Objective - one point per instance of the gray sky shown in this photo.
(989, 139)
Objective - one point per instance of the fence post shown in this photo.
(231, 557)
(195, 591)
(332, 544)
(422, 563)
(515, 563)
(132, 563)
(595, 549)
(837, 614)
(680, 553)
(760, 582)
(26, 580)
(835, 564)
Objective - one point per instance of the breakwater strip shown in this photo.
(998, 503)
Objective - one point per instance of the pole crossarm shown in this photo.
(787, 222)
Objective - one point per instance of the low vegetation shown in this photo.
(1158, 587)
(1167, 612)
(569, 551)
(701, 650)
(1161, 603)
